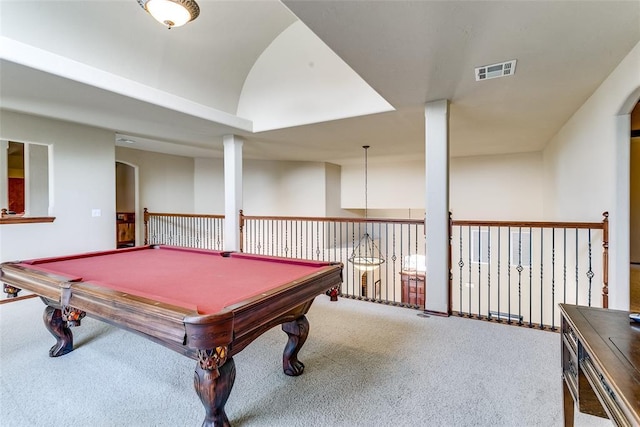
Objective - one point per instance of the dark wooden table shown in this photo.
(206, 305)
(600, 364)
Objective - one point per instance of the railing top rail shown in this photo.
(147, 213)
(333, 219)
(529, 224)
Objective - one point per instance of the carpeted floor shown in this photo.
(366, 365)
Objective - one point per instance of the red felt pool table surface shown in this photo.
(201, 280)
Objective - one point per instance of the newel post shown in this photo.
(241, 223)
(605, 260)
(146, 226)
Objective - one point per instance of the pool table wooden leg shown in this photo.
(213, 385)
(58, 327)
(297, 330)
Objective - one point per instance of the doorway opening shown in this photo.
(126, 205)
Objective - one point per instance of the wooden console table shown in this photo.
(600, 364)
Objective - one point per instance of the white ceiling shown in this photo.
(109, 64)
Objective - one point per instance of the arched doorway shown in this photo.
(126, 205)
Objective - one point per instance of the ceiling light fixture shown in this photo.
(172, 13)
(366, 256)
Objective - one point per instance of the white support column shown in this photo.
(620, 219)
(436, 116)
(232, 191)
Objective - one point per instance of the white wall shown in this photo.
(272, 188)
(166, 181)
(501, 187)
(208, 186)
(333, 191)
(83, 177)
(586, 167)
(284, 188)
(391, 183)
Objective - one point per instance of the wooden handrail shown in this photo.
(330, 219)
(527, 224)
(181, 215)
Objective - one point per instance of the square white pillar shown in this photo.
(436, 116)
(232, 191)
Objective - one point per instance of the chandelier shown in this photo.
(172, 13)
(366, 256)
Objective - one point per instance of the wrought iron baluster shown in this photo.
(469, 283)
(590, 271)
(317, 240)
(519, 268)
(353, 247)
(488, 273)
(386, 268)
(577, 275)
(394, 258)
(461, 265)
(530, 275)
(564, 265)
(498, 270)
(553, 278)
(541, 277)
(479, 272)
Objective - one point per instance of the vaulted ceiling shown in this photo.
(312, 80)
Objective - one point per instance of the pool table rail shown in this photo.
(43, 284)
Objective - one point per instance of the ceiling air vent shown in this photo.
(494, 71)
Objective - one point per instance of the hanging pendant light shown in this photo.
(366, 256)
(172, 13)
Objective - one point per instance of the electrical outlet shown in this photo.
(469, 285)
(96, 212)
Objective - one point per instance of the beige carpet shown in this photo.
(367, 365)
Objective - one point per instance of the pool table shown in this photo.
(207, 305)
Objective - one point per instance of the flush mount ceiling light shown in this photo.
(172, 13)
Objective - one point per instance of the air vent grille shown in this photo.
(493, 71)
